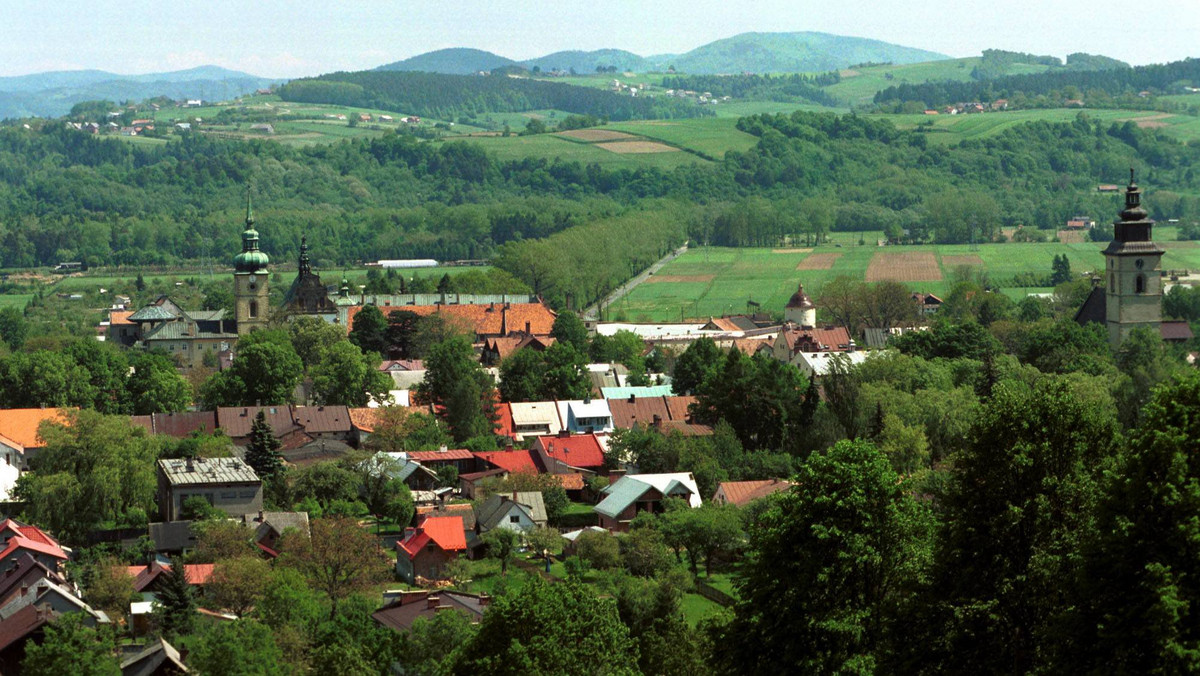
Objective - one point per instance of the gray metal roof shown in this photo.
(151, 313)
(180, 330)
(207, 471)
(621, 494)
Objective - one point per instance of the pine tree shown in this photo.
(263, 451)
(176, 602)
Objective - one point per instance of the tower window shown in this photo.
(1140, 284)
(1112, 282)
(254, 308)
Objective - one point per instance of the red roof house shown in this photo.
(425, 550)
(19, 538)
(576, 450)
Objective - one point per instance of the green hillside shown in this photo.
(792, 53)
(453, 61)
(587, 62)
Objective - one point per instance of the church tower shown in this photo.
(1133, 267)
(250, 279)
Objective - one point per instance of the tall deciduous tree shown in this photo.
(13, 327)
(1015, 514)
(697, 364)
(568, 328)
(156, 387)
(455, 381)
(264, 373)
(550, 629)
(830, 562)
(72, 647)
(237, 584)
(1138, 598)
(344, 375)
(242, 648)
(340, 558)
(369, 331)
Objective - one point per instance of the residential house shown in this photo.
(639, 391)
(818, 364)
(236, 422)
(270, 526)
(927, 303)
(585, 415)
(582, 451)
(172, 538)
(23, 574)
(159, 658)
(402, 608)
(470, 483)
(146, 578)
(426, 549)
(534, 418)
(742, 493)
(496, 350)
(180, 425)
(20, 439)
(632, 494)
(792, 341)
(18, 539)
(228, 484)
(414, 475)
(634, 410)
(324, 422)
(459, 458)
(519, 511)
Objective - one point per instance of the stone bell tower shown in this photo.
(1133, 269)
(250, 279)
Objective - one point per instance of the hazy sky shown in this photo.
(290, 38)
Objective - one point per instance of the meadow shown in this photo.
(712, 281)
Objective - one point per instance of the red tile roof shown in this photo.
(144, 576)
(116, 317)
(318, 419)
(440, 456)
(236, 420)
(1175, 331)
(179, 425)
(836, 339)
(516, 460)
(577, 450)
(492, 319)
(570, 482)
(504, 420)
(30, 538)
(444, 531)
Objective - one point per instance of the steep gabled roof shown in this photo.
(744, 492)
(515, 460)
(577, 450)
(31, 538)
(447, 532)
(21, 424)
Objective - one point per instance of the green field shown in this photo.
(549, 146)
(711, 281)
(950, 129)
(712, 137)
(858, 86)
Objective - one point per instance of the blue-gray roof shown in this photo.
(151, 313)
(621, 495)
(639, 392)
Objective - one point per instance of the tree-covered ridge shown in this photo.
(1098, 88)
(794, 87)
(449, 97)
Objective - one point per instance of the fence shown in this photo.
(713, 594)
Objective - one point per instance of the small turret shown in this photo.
(800, 309)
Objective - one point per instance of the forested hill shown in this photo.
(743, 53)
(449, 97)
(1094, 87)
(52, 94)
(453, 61)
(793, 53)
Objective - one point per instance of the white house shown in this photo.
(817, 364)
(585, 415)
(518, 511)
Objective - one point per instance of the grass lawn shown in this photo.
(17, 300)
(696, 608)
(951, 129)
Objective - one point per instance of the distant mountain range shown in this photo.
(52, 94)
(748, 52)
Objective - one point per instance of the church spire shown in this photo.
(305, 267)
(249, 210)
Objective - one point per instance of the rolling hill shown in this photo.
(587, 62)
(747, 52)
(453, 61)
(792, 53)
(52, 94)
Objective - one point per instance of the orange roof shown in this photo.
(116, 317)
(836, 339)
(724, 324)
(444, 531)
(570, 482)
(29, 537)
(194, 573)
(364, 418)
(504, 421)
(436, 456)
(492, 319)
(21, 424)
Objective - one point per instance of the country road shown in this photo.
(592, 312)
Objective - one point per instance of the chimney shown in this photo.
(527, 329)
(260, 516)
(432, 601)
(564, 434)
(514, 497)
(657, 420)
(191, 467)
(484, 600)
(632, 398)
(443, 449)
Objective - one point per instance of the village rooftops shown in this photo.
(207, 471)
(446, 532)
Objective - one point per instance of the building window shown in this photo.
(1140, 284)
(253, 309)
(514, 519)
(1112, 282)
